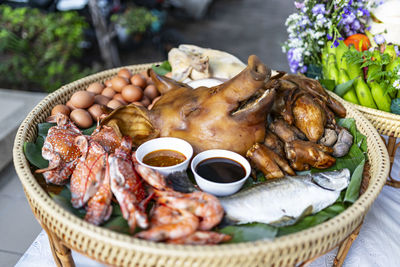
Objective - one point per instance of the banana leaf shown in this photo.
(250, 232)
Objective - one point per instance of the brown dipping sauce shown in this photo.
(163, 158)
(221, 170)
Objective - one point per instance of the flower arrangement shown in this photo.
(329, 40)
(317, 21)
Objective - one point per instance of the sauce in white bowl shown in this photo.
(225, 174)
(166, 143)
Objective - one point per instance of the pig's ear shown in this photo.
(165, 84)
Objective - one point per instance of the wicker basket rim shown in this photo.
(34, 190)
(380, 113)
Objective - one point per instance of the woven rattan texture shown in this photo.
(122, 250)
(385, 123)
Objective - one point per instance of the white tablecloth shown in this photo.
(377, 245)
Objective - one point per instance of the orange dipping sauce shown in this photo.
(163, 158)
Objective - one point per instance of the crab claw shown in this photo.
(89, 173)
(127, 185)
(99, 206)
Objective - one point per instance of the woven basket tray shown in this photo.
(118, 249)
(384, 122)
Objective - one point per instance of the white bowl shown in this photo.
(220, 189)
(171, 143)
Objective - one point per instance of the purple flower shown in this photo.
(303, 69)
(364, 12)
(396, 48)
(355, 25)
(299, 5)
(294, 57)
(348, 18)
(346, 28)
(335, 44)
(329, 37)
(318, 9)
(379, 39)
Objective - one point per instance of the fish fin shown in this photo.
(289, 220)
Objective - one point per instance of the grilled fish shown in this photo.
(284, 201)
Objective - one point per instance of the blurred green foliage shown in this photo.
(134, 19)
(38, 50)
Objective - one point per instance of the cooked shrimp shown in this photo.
(201, 204)
(169, 223)
(153, 178)
(201, 238)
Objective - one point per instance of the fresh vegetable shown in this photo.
(382, 100)
(345, 88)
(353, 69)
(332, 73)
(364, 94)
(359, 41)
(391, 51)
(339, 51)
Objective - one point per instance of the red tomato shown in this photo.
(355, 39)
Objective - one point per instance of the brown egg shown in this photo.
(95, 111)
(63, 109)
(69, 104)
(132, 93)
(120, 98)
(81, 118)
(95, 88)
(108, 83)
(149, 81)
(144, 74)
(118, 83)
(108, 92)
(114, 104)
(151, 91)
(125, 73)
(82, 99)
(145, 101)
(101, 100)
(138, 80)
